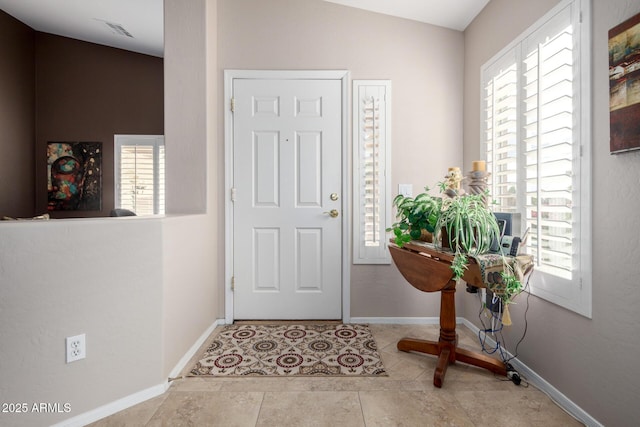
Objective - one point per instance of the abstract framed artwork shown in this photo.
(74, 176)
(624, 86)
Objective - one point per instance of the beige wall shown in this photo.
(186, 107)
(143, 290)
(60, 278)
(191, 263)
(425, 65)
(591, 361)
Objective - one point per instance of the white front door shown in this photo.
(287, 161)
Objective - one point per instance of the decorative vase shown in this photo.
(477, 183)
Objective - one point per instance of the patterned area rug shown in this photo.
(291, 350)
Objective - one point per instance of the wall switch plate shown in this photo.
(76, 348)
(405, 189)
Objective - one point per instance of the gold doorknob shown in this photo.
(333, 213)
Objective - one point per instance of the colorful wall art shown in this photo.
(74, 171)
(624, 86)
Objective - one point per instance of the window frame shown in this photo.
(578, 296)
(155, 141)
(361, 253)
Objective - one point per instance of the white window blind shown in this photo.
(139, 174)
(372, 160)
(535, 130)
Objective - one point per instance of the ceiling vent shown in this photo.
(118, 29)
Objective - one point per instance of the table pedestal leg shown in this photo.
(447, 346)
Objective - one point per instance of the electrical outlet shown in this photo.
(76, 348)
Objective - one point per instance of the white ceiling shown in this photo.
(454, 14)
(143, 19)
(85, 20)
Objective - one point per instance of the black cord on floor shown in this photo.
(526, 324)
(512, 375)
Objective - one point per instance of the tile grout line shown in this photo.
(260, 410)
(164, 399)
(364, 420)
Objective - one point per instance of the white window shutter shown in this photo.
(549, 143)
(535, 107)
(372, 174)
(139, 174)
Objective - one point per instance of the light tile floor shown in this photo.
(470, 396)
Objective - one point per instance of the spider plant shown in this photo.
(467, 227)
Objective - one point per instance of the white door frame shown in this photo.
(229, 75)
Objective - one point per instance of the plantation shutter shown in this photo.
(549, 143)
(533, 108)
(372, 139)
(140, 174)
(160, 195)
(501, 130)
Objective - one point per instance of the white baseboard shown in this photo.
(194, 348)
(532, 377)
(141, 396)
(113, 407)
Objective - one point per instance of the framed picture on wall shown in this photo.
(74, 176)
(624, 86)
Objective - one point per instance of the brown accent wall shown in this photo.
(17, 115)
(88, 92)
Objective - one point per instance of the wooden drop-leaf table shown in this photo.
(429, 270)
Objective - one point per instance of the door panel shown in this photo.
(287, 139)
(309, 168)
(266, 168)
(309, 259)
(266, 242)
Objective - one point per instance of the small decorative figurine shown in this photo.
(453, 181)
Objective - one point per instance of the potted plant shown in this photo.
(416, 217)
(467, 227)
(460, 222)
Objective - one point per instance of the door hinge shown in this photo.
(233, 283)
(233, 105)
(233, 194)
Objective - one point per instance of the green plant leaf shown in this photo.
(459, 265)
